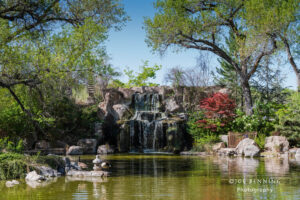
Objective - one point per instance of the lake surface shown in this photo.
(166, 177)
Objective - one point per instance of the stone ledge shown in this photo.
(87, 173)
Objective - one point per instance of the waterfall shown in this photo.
(145, 126)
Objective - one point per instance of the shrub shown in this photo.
(260, 140)
(12, 165)
(262, 121)
(7, 145)
(218, 112)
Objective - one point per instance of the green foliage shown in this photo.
(260, 140)
(289, 119)
(52, 161)
(42, 59)
(10, 146)
(262, 121)
(205, 143)
(15, 165)
(200, 135)
(141, 78)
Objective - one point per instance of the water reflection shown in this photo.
(237, 164)
(277, 166)
(36, 184)
(154, 177)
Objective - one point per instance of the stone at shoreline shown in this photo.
(105, 149)
(89, 146)
(11, 183)
(76, 173)
(82, 165)
(34, 176)
(248, 148)
(192, 153)
(216, 147)
(276, 144)
(75, 150)
(47, 171)
(227, 152)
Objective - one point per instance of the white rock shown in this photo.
(75, 150)
(276, 144)
(248, 148)
(34, 176)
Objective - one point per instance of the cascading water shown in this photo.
(146, 128)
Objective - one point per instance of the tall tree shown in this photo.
(280, 17)
(204, 25)
(46, 42)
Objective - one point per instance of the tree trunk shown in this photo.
(247, 97)
(291, 60)
(298, 80)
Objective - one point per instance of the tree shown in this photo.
(45, 46)
(280, 17)
(141, 78)
(204, 25)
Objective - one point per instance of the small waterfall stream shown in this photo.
(146, 127)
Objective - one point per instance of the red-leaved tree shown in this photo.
(218, 111)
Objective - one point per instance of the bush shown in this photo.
(205, 143)
(7, 145)
(262, 121)
(260, 140)
(12, 165)
(214, 118)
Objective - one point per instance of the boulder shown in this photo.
(248, 148)
(47, 171)
(171, 105)
(42, 144)
(34, 176)
(227, 152)
(105, 149)
(216, 147)
(11, 183)
(276, 144)
(89, 146)
(75, 150)
(121, 111)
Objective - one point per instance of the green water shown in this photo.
(165, 177)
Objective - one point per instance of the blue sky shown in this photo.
(127, 48)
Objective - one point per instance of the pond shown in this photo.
(166, 177)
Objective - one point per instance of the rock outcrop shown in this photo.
(277, 144)
(75, 150)
(89, 146)
(216, 147)
(247, 147)
(105, 149)
(34, 176)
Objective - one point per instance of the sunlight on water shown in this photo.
(167, 177)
